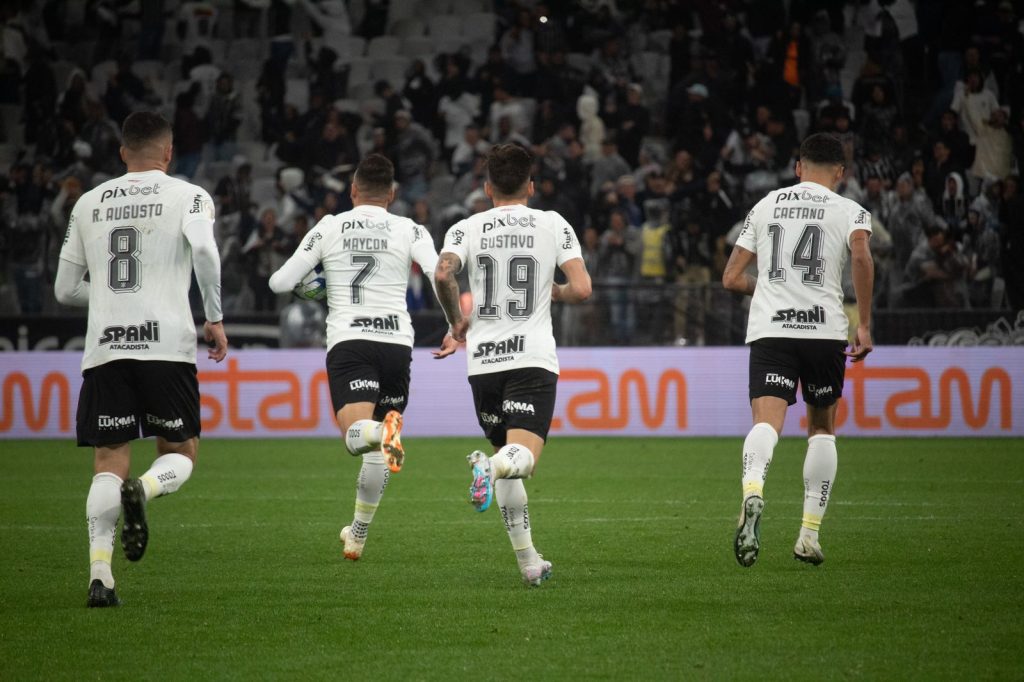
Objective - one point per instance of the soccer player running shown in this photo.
(511, 252)
(801, 237)
(138, 238)
(366, 254)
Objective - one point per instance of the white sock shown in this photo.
(819, 475)
(373, 479)
(512, 461)
(510, 494)
(167, 473)
(363, 436)
(102, 507)
(757, 455)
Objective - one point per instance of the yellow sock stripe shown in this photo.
(103, 555)
(753, 489)
(151, 485)
(811, 521)
(365, 507)
(528, 545)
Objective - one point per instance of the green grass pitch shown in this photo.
(244, 577)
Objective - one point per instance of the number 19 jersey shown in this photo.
(511, 253)
(129, 233)
(801, 235)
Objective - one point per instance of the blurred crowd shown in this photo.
(655, 126)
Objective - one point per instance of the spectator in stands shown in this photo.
(592, 129)
(270, 90)
(1012, 242)
(873, 199)
(655, 260)
(517, 52)
(625, 190)
(420, 93)
(104, 139)
(223, 117)
(694, 250)
(974, 104)
(504, 105)
(935, 273)
(40, 94)
(792, 55)
(981, 251)
(189, 134)
(468, 149)
(548, 198)
(234, 192)
(608, 167)
(953, 206)
(617, 266)
(632, 124)
(878, 164)
(906, 217)
(988, 202)
(993, 147)
(414, 153)
(334, 147)
(126, 92)
(938, 168)
(265, 251)
(961, 152)
(878, 116)
(71, 105)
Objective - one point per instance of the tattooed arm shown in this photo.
(447, 289)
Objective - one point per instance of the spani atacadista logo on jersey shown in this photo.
(378, 324)
(800, 319)
(132, 336)
(499, 351)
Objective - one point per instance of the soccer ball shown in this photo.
(313, 286)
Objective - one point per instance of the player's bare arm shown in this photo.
(447, 288)
(735, 278)
(217, 339)
(578, 287)
(863, 267)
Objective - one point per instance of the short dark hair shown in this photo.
(823, 149)
(375, 175)
(508, 169)
(142, 128)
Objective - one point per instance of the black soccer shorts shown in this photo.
(122, 397)
(777, 364)
(369, 372)
(514, 399)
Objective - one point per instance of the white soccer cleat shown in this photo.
(808, 551)
(535, 574)
(353, 547)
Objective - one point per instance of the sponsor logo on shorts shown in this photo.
(773, 379)
(818, 391)
(131, 337)
(800, 319)
(170, 424)
(516, 407)
(364, 385)
(133, 191)
(488, 418)
(391, 400)
(389, 323)
(499, 351)
(105, 421)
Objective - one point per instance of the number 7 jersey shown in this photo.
(129, 234)
(801, 235)
(511, 253)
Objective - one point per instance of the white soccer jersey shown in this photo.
(801, 235)
(366, 254)
(511, 252)
(129, 234)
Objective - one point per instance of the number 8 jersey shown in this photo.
(129, 233)
(511, 253)
(801, 236)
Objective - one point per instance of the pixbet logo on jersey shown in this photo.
(510, 221)
(802, 195)
(513, 344)
(134, 190)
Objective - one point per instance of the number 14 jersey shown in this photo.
(511, 253)
(801, 235)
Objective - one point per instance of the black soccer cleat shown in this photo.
(134, 532)
(748, 535)
(101, 596)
